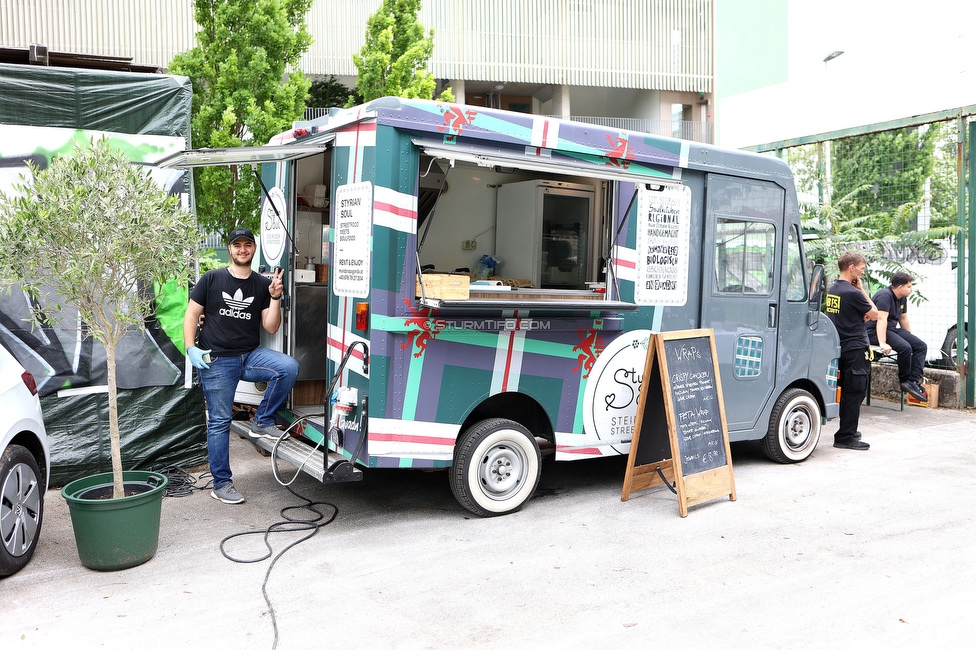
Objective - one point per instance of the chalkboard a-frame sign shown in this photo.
(686, 418)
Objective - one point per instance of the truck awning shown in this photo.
(243, 155)
(545, 160)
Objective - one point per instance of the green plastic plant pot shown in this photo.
(113, 534)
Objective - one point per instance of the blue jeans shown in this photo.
(219, 384)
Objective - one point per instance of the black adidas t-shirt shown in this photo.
(232, 311)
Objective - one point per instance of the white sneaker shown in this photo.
(267, 431)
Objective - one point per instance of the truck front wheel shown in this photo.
(794, 427)
(497, 464)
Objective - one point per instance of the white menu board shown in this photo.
(351, 228)
(663, 231)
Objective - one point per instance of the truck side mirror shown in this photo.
(816, 287)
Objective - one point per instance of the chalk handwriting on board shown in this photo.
(697, 421)
(685, 417)
(683, 352)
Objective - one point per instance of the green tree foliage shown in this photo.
(838, 228)
(943, 187)
(393, 59)
(894, 166)
(241, 94)
(804, 162)
(330, 93)
(98, 231)
(871, 200)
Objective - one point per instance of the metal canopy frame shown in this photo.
(243, 155)
(486, 156)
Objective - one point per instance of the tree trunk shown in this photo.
(113, 422)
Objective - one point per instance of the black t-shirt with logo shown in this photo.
(886, 300)
(846, 306)
(232, 311)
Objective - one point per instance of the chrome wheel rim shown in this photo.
(502, 470)
(20, 508)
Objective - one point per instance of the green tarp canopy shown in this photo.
(43, 112)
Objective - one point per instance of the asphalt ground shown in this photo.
(848, 549)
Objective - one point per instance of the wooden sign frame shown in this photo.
(700, 465)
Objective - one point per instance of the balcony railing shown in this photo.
(697, 131)
(315, 113)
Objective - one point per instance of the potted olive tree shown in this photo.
(95, 233)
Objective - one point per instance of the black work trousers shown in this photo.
(911, 353)
(853, 383)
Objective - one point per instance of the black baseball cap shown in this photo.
(239, 233)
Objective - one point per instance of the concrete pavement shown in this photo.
(846, 549)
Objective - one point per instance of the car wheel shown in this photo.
(794, 427)
(497, 465)
(21, 508)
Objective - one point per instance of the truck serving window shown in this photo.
(526, 238)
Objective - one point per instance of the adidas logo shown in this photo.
(237, 304)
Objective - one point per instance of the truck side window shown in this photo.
(796, 286)
(744, 256)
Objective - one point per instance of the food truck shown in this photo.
(471, 289)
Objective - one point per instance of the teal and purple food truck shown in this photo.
(472, 289)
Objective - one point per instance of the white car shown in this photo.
(25, 465)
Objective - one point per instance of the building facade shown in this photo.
(638, 64)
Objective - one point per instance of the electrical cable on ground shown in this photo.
(181, 483)
(290, 523)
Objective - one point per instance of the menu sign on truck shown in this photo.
(353, 221)
(663, 234)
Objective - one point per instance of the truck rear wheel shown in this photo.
(497, 465)
(794, 427)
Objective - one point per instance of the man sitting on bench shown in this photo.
(892, 331)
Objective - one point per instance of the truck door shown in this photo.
(276, 226)
(740, 292)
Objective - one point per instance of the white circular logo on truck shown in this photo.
(273, 234)
(611, 393)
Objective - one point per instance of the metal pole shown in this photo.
(960, 248)
(821, 174)
(969, 283)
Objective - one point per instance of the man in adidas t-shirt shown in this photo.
(236, 303)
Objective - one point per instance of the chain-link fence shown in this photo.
(892, 193)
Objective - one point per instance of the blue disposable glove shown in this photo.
(196, 357)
